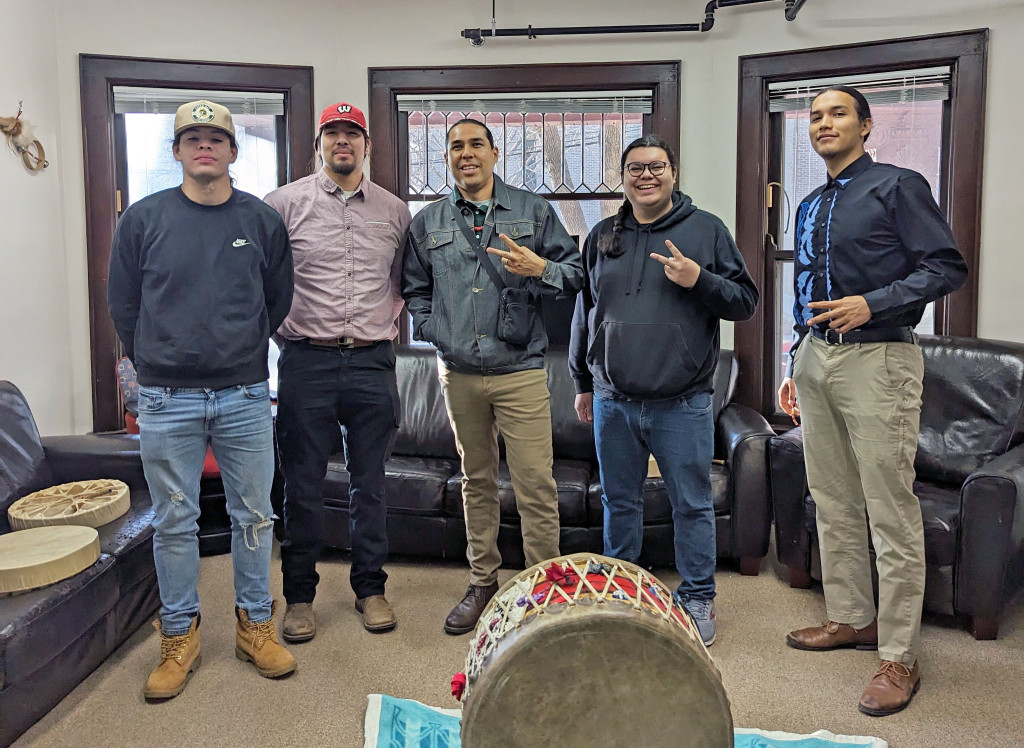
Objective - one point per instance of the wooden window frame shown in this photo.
(966, 54)
(388, 128)
(98, 76)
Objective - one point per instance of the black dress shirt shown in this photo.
(874, 231)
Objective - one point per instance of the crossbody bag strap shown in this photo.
(485, 260)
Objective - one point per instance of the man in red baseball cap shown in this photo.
(342, 112)
(337, 364)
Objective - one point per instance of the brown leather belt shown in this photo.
(345, 342)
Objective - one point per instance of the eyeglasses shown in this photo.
(636, 169)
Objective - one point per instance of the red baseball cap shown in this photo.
(342, 112)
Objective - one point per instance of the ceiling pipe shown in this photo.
(476, 37)
(792, 8)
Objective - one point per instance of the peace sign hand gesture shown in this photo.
(679, 268)
(519, 260)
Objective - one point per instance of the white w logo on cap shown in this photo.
(344, 108)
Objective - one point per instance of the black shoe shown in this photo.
(464, 616)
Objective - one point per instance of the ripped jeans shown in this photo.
(175, 426)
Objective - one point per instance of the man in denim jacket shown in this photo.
(489, 384)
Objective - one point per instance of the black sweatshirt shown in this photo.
(195, 291)
(638, 335)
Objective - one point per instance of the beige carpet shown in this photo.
(972, 692)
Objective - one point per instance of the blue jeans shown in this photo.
(175, 426)
(680, 435)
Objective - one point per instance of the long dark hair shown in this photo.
(859, 101)
(611, 244)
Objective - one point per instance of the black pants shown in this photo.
(318, 389)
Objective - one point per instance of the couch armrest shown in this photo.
(91, 456)
(787, 478)
(742, 435)
(991, 532)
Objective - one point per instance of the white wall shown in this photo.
(35, 313)
(47, 351)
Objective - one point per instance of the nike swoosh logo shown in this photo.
(239, 242)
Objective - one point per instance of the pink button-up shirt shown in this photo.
(347, 256)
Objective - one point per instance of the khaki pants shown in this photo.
(519, 406)
(860, 405)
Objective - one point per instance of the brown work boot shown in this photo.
(299, 622)
(378, 616)
(891, 690)
(179, 656)
(257, 643)
(832, 635)
(464, 616)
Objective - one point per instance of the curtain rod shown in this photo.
(476, 36)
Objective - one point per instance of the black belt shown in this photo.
(345, 342)
(871, 335)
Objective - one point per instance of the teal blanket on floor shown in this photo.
(401, 723)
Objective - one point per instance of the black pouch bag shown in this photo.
(515, 316)
(516, 309)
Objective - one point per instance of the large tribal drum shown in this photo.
(589, 651)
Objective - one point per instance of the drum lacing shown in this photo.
(173, 647)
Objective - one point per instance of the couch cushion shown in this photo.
(571, 439)
(23, 467)
(37, 625)
(657, 508)
(940, 513)
(572, 478)
(129, 539)
(424, 430)
(412, 485)
(973, 405)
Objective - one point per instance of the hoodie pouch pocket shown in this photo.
(650, 361)
(515, 316)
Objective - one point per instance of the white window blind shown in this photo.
(891, 87)
(139, 100)
(605, 102)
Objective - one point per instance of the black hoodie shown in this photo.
(638, 335)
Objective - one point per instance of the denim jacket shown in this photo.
(452, 299)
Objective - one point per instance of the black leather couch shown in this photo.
(52, 638)
(424, 494)
(970, 480)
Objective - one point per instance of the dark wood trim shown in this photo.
(386, 84)
(98, 75)
(966, 53)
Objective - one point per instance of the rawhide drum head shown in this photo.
(43, 555)
(90, 503)
(591, 652)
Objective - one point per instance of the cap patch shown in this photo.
(202, 113)
(344, 109)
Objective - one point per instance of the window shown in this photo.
(559, 129)
(116, 123)
(928, 109)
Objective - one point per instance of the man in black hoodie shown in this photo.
(660, 276)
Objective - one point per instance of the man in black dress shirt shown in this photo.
(872, 250)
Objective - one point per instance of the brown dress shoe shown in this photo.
(464, 616)
(891, 690)
(378, 616)
(832, 635)
(299, 623)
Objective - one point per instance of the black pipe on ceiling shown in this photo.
(476, 37)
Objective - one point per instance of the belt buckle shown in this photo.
(833, 337)
(346, 342)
